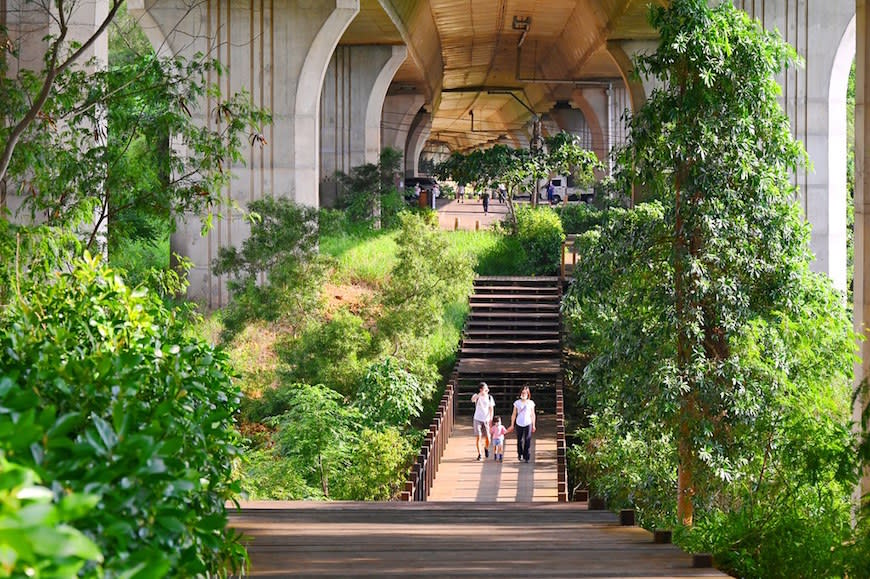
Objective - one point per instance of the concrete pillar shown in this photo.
(814, 98)
(352, 99)
(623, 52)
(398, 113)
(593, 104)
(279, 53)
(417, 137)
(861, 291)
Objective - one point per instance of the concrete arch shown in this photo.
(307, 106)
(836, 153)
(599, 146)
(636, 92)
(417, 137)
(376, 103)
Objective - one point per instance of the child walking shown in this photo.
(497, 433)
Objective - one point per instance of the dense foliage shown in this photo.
(351, 380)
(719, 366)
(539, 232)
(369, 193)
(106, 395)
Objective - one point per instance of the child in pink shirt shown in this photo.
(497, 433)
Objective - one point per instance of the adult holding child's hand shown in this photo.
(524, 418)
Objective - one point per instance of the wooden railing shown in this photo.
(561, 448)
(422, 473)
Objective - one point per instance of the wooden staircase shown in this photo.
(512, 339)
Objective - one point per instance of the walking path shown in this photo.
(469, 215)
(462, 478)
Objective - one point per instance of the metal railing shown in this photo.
(422, 473)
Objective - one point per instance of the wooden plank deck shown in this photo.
(292, 539)
(461, 477)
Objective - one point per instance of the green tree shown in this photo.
(317, 431)
(389, 395)
(369, 191)
(282, 248)
(426, 277)
(774, 454)
(716, 149)
(86, 145)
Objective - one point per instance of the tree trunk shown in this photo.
(685, 486)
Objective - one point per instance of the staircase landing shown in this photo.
(451, 540)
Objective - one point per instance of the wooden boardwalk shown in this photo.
(305, 539)
(461, 477)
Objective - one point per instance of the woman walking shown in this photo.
(524, 419)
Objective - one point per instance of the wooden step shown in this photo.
(518, 297)
(479, 333)
(514, 352)
(524, 305)
(508, 343)
(552, 326)
(518, 316)
(531, 366)
(512, 290)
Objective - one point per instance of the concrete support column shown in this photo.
(594, 105)
(352, 99)
(622, 52)
(861, 292)
(417, 137)
(814, 98)
(279, 53)
(398, 113)
(824, 189)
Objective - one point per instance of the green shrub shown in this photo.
(105, 394)
(36, 538)
(283, 247)
(540, 233)
(389, 395)
(316, 432)
(331, 353)
(579, 217)
(267, 476)
(506, 256)
(376, 466)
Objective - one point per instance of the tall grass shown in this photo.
(364, 257)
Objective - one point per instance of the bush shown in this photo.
(36, 539)
(579, 217)
(331, 353)
(389, 395)
(267, 476)
(376, 467)
(106, 395)
(540, 233)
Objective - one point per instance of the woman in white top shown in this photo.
(524, 419)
